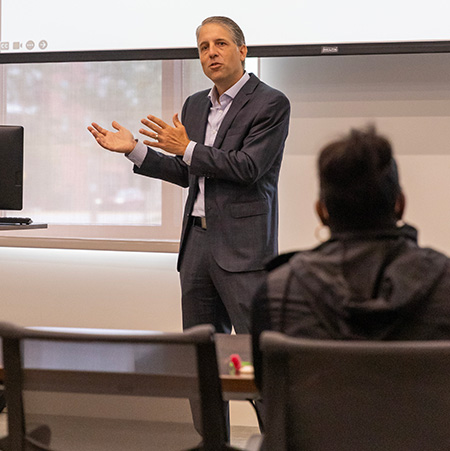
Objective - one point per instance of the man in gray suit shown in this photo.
(227, 149)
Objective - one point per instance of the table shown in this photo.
(240, 387)
(22, 226)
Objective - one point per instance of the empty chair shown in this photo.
(179, 365)
(332, 395)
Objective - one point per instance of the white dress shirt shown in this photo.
(217, 112)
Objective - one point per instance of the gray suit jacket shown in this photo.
(241, 173)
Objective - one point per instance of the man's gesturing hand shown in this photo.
(171, 139)
(121, 141)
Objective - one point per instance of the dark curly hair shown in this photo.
(359, 182)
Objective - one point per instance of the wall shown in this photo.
(406, 96)
(90, 289)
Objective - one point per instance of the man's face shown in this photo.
(220, 57)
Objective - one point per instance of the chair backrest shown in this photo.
(346, 395)
(180, 365)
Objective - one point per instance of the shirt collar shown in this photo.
(231, 92)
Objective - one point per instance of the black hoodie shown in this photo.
(375, 285)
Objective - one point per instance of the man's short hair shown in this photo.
(359, 181)
(230, 25)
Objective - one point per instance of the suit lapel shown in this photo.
(197, 131)
(242, 97)
(197, 128)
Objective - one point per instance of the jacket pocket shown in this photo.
(245, 209)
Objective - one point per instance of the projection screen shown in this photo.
(54, 30)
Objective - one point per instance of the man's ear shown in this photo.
(322, 212)
(400, 206)
(243, 51)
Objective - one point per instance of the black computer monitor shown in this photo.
(11, 167)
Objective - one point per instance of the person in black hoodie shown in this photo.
(371, 280)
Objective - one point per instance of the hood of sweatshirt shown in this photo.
(368, 284)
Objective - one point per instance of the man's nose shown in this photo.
(212, 50)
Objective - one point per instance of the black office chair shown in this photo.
(363, 396)
(154, 364)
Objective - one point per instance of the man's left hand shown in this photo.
(171, 139)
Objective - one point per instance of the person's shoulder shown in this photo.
(437, 260)
(279, 260)
(298, 261)
(430, 255)
(196, 102)
(265, 100)
(262, 87)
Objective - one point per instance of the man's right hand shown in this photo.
(121, 141)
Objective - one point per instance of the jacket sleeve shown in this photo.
(164, 167)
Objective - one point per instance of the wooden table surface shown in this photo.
(241, 387)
